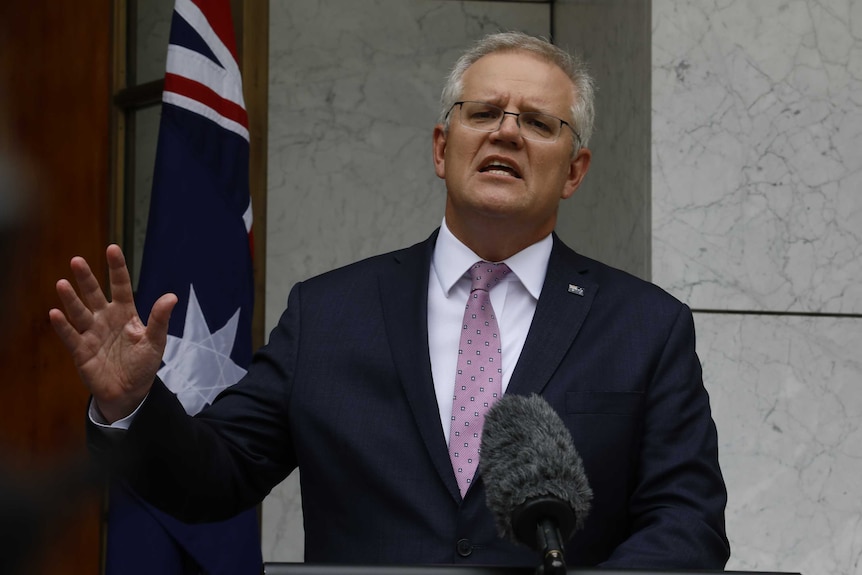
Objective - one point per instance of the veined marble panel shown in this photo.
(757, 153)
(787, 400)
(354, 92)
(353, 96)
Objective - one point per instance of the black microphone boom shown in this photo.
(534, 478)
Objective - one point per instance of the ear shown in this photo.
(440, 151)
(577, 170)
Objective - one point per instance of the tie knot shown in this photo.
(486, 275)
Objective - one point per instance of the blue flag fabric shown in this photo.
(198, 246)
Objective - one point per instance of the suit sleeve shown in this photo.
(228, 457)
(677, 506)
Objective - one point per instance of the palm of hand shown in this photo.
(116, 355)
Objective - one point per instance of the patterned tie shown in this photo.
(479, 374)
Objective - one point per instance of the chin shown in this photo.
(499, 210)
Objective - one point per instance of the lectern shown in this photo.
(319, 569)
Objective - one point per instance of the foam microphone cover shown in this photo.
(528, 456)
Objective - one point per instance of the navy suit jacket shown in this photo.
(344, 390)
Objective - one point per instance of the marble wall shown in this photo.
(757, 222)
(757, 159)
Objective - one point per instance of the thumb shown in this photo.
(160, 316)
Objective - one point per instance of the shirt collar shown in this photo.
(452, 259)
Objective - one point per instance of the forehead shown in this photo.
(519, 78)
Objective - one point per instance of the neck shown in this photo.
(495, 239)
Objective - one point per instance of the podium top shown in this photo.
(323, 569)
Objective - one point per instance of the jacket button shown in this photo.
(464, 547)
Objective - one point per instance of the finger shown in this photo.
(77, 314)
(159, 320)
(121, 282)
(68, 334)
(91, 292)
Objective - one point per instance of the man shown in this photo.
(356, 384)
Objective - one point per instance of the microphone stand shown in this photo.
(543, 523)
(549, 541)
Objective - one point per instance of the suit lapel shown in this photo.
(404, 287)
(566, 298)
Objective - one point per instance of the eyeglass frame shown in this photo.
(517, 121)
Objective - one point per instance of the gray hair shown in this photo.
(583, 108)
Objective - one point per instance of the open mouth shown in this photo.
(500, 168)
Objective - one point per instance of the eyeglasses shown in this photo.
(534, 126)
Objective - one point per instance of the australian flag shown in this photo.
(198, 246)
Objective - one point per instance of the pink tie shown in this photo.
(479, 375)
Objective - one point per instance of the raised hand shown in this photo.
(116, 355)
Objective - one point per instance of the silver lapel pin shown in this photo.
(577, 290)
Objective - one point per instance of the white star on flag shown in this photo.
(198, 365)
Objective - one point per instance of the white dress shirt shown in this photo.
(514, 300)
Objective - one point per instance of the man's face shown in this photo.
(523, 193)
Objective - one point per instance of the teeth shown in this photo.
(501, 168)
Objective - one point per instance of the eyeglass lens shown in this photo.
(488, 118)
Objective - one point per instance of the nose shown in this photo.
(509, 129)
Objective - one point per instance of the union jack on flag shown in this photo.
(197, 246)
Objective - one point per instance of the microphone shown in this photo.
(534, 479)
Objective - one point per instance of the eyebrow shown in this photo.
(496, 101)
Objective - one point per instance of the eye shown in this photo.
(478, 113)
(539, 123)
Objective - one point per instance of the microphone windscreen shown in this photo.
(528, 453)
